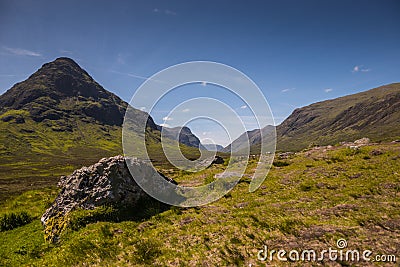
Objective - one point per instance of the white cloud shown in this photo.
(243, 107)
(327, 90)
(186, 110)
(204, 83)
(167, 119)
(22, 52)
(361, 68)
(164, 125)
(142, 108)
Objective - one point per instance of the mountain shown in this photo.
(182, 134)
(213, 147)
(374, 114)
(251, 138)
(60, 119)
(62, 91)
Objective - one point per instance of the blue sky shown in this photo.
(297, 52)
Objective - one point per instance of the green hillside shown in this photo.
(374, 114)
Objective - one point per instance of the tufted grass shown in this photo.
(319, 197)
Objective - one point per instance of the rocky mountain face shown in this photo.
(62, 89)
(182, 134)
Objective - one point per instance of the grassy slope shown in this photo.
(374, 113)
(34, 155)
(319, 197)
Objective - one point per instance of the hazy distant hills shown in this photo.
(60, 118)
(253, 137)
(213, 147)
(374, 114)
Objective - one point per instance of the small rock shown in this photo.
(218, 160)
(362, 141)
(376, 152)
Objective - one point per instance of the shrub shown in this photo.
(14, 220)
(305, 187)
(281, 163)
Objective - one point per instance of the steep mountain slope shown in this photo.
(182, 134)
(374, 113)
(60, 119)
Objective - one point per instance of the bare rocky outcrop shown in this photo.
(108, 182)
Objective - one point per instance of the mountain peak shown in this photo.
(63, 64)
(63, 87)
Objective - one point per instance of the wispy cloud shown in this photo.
(164, 125)
(327, 90)
(135, 76)
(204, 83)
(287, 90)
(11, 75)
(21, 52)
(243, 107)
(167, 119)
(360, 68)
(186, 110)
(164, 11)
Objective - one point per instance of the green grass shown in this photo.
(309, 203)
(34, 155)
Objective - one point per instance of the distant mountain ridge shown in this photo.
(250, 138)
